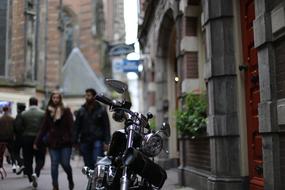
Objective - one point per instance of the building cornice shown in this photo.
(6, 83)
(16, 84)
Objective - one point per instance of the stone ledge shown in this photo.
(278, 20)
(203, 180)
(262, 30)
(267, 117)
(217, 9)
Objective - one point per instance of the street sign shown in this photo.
(131, 66)
(125, 66)
(117, 65)
(121, 49)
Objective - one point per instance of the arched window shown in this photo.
(68, 31)
(30, 37)
(98, 25)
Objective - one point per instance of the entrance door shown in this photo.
(250, 69)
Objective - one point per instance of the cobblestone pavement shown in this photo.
(20, 182)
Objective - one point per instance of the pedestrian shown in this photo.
(30, 123)
(92, 129)
(7, 133)
(17, 145)
(56, 132)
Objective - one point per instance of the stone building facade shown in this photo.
(234, 50)
(36, 38)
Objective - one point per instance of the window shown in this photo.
(3, 36)
(98, 18)
(68, 41)
(30, 14)
(191, 26)
(68, 31)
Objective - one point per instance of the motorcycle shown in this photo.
(129, 163)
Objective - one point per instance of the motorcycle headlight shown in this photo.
(152, 145)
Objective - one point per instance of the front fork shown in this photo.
(90, 175)
(124, 181)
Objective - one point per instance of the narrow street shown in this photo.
(20, 182)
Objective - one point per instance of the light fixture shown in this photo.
(176, 79)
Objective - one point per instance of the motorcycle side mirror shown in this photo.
(165, 129)
(117, 85)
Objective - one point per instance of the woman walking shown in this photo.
(56, 133)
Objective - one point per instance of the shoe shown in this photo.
(55, 188)
(33, 188)
(19, 170)
(34, 181)
(14, 167)
(71, 186)
(8, 159)
(31, 184)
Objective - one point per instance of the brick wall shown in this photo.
(197, 153)
(53, 42)
(189, 68)
(88, 45)
(190, 26)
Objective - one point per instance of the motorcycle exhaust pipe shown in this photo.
(146, 168)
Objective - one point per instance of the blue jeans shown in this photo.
(60, 156)
(90, 152)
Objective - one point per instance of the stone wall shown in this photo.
(17, 44)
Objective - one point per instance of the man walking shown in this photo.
(17, 141)
(92, 129)
(7, 133)
(31, 121)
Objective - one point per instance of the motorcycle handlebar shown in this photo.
(123, 106)
(105, 100)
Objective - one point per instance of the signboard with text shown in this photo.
(121, 49)
(125, 66)
(131, 66)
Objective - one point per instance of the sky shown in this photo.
(131, 22)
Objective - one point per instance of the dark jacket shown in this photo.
(92, 125)
(58, 133)
(30, 121)
(6, 128)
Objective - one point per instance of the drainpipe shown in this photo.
(46, 55)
